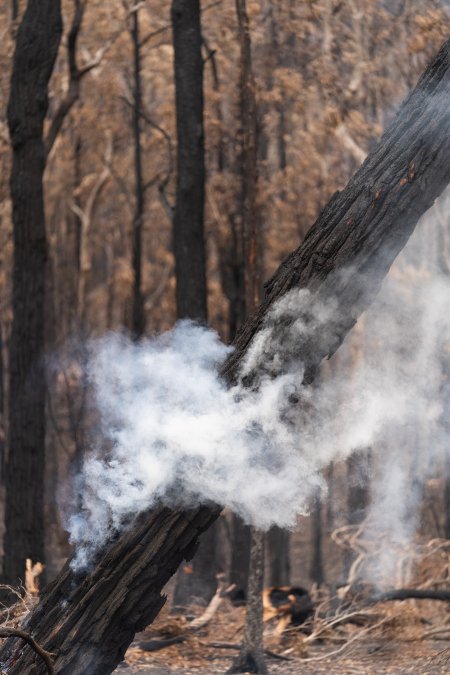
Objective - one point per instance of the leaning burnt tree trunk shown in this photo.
(88, 620)
(36, 49)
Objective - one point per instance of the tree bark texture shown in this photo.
(88, 620)
(278, 546)
(240, 556)
(138, 319)
(37, 44)
(249, 130)
(251, 655)
(188, 224)
(197, 581)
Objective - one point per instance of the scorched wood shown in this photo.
(89, 620)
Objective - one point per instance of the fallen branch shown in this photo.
(157, 645)
(45, 656)
(233, 645)
(412, 593)
(358, 636)
(435, 632)
(223, 588)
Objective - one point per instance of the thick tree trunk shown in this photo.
(88, 620)
(36, 48)
(188, 240)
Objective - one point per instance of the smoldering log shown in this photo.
(88, 620)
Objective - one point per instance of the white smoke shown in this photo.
(177, 435)
(406, 358)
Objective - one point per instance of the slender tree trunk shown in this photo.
(36, 49)
(316, 572)
(447, 501)
(2, 408)
(251, 658)
(195, 582)
(278, 542)
(188, 225)
(240, 554)
(14, 9)
(88, 620)
(138, 319)
(251, 655)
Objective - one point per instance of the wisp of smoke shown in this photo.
(178, 435)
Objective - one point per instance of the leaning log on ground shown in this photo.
(413, 594)
(89, 620)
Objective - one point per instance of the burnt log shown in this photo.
(88, 620)
(413, 594)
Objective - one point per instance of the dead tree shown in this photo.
(188, 220)
(87, 620)
(251, 654)
(37, 45)
(199, 579)
(138, 319)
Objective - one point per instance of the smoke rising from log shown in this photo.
(176, 434)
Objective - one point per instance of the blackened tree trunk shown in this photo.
(278, 544)
(195, 582)
(88, 620)
(36, 49)
(251, 654)
(188, 225)
(251, 657)
(2, 408)
(138, 324)
(316, 572)
(240, 555)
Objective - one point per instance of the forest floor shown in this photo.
(396, 640)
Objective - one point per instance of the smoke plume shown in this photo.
(176, 434)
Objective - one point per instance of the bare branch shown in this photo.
(161, 182)
(76, 73)
(168, 26)
(349, 143)
(223, 588)
(45, 656)
(85, 216)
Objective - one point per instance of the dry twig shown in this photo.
(45, 656)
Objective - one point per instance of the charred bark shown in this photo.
(197, 581)
(88, 620)
(316, 571)
(251, 655)
(278, 543)
(138, 319)
(36, 48)
(188, 222)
